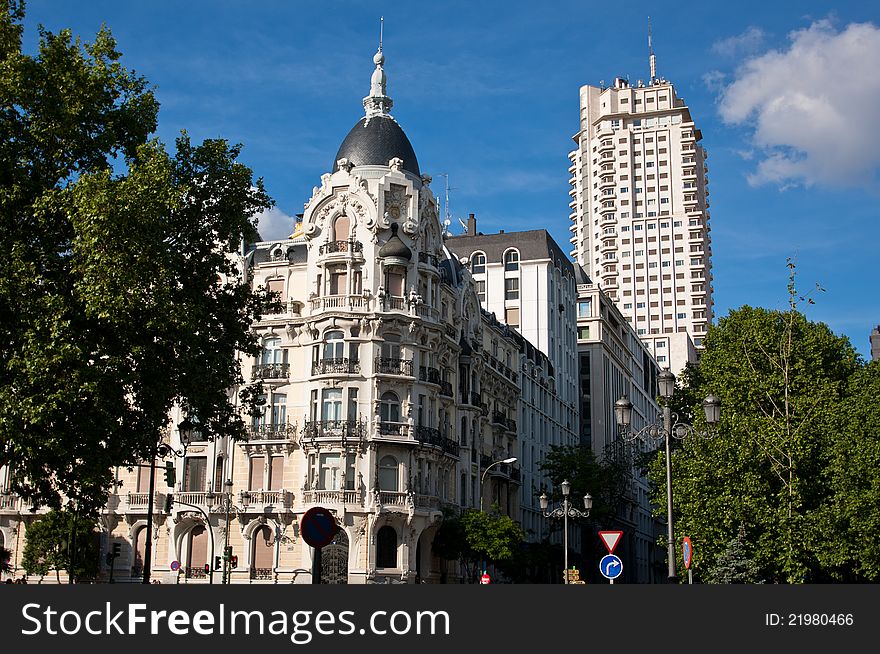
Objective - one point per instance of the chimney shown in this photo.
(471, 225)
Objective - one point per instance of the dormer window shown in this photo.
(511, 261)
(478, 263)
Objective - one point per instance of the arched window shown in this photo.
(511, 260)
(263, 559)
(386, 547)
(140, 546)
(197, 556)
(341, 228)
(388, 474)
(389, 407)
(334, 346)
(478, 263)
(272, 352)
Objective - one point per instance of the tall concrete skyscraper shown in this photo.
(639, 211)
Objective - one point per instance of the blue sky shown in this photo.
(786, 95)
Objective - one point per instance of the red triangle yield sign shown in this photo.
(610, 538)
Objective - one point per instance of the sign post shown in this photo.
(318, 528)
(485, 578)
(611, 567)
(687, 552)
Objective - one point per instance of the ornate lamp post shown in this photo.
(669, 427)
(564, 512)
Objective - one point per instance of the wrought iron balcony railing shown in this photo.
(430, 375)
(272, 432)
(343, 366)
(270, 371)
(394, 429)
(341, 246)
(432, 436)
(392, 366)
(334, 429)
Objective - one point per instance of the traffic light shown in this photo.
(169, 502)
(116, 550)
(207, 568)
(218, 562)
(234, 560)
(170, 474)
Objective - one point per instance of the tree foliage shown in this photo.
(118, 296)
(5, 560)
(780, 462)
(605, 480)
(734, 565)
(61, 540)
(476, 537)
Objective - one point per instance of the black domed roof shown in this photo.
(375, 141)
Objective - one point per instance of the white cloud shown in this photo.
(743, 44)
(812, 108)
(714, 80)
(274, 225)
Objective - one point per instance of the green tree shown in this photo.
(734, 565)
(605, 480)
(61, 540)
(476, 538)
(118, 296)
(849, 549)
(782, 380)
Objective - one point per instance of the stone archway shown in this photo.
(334, 560)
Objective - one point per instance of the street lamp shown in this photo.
(669, 427)
(564, 512)
(228, 507)
(489, 467)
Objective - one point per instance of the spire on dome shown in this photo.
(378, 103)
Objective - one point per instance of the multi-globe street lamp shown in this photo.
(565, 512)
(666, 428)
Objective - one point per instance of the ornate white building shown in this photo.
(387, 393)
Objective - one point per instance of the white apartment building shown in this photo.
(639, 212)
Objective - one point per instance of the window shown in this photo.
(478, 263)
(389, 408)
(511, 316)
(511, 288)
(389, 479)
(584, 333)
(279, 409)
(275, 286)
(391, 346)
(196, 472)
(338, 281)
(276, 473)
(272, 352)
(585, 309)
(386, 547)
(256, 466)
(511, 260)
(331, 407)
(334, 346)
(681, 316)
(394, 284)
(481, 289)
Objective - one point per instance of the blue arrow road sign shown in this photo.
(611, 566)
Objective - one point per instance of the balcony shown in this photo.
(394, 303)
(446, 388)
(428, 313)
(341, 247)
(499, 419)
(344, 429)
(472, 399)
(8, 502)
(397, 429)
(342, 366)
(432, 436)
(450, 331)
(429, 375)
(272, 432)
(339, 302)
(270, 371)
(430, 259)
(391, 366)
(322, 496)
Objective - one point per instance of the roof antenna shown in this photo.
(652, 59)
(381, 30)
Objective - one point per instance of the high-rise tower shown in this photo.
(639, 211)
